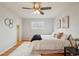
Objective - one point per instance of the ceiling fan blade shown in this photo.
(41, 13)
(46, 8)
(26, 8)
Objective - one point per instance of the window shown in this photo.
(38, 25)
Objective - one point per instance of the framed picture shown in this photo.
(8, 22)
(59, 23)
(65, 22)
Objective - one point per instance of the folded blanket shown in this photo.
(36, 37)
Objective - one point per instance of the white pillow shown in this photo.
(65, 36)
(54, 34)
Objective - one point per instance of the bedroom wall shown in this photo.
(8, 35)
(73, 13)
(28, 32)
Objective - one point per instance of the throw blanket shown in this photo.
(36, 37)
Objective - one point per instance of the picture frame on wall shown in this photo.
(8, 22)
(65, 22)
(59, 23)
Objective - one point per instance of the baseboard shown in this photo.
(25, 40)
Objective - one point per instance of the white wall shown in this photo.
(7, 35)
(73, 13)
(28, 32)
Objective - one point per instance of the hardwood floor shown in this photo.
(53, 54)
(17, 45)
(49, 52)
(11, 49)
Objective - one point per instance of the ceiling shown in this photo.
(56, 8)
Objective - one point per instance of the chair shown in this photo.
(73, 49)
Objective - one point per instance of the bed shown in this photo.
(49, 46)
(50, 43)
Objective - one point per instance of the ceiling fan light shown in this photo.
(36, 12)
(37, 5)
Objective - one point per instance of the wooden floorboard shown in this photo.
(16, 46)
(53, 54)
(49, 52)
(11, 49)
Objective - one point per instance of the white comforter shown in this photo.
(53, 44)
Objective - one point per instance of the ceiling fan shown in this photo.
(37, 8)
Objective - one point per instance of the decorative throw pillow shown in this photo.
(59, 35)
(63, 37)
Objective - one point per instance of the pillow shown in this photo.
(59, 35)
(72, 41)
(53, 34)
(64, 36)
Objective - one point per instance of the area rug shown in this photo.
(23, 50)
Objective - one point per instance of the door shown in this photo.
(18, 30)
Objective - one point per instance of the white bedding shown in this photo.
(49, 42)
(54, 44)
(47, 37)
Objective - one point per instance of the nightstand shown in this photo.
(71, 50)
